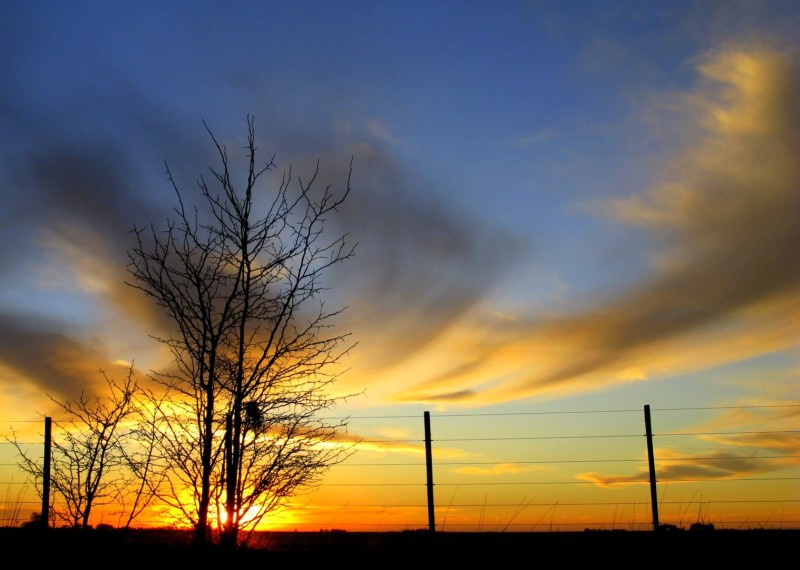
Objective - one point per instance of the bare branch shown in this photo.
(251, 342)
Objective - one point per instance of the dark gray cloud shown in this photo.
(85, 133)
(42, 352)
(421, 263)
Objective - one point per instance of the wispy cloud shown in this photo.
(741, 442)
(725, 284)
(496, 469)
(381, 132)
(673, 466)
(725, 281)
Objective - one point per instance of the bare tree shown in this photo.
(88, 466)
(255, 355)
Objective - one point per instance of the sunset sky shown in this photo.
(559, 205)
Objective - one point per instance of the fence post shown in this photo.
(429, 466)
(46, 473)
(652, 465)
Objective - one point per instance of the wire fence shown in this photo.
(715, 467)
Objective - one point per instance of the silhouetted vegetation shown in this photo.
(90, 548)
(240, 277)
(90, 464)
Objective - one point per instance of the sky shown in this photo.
(558, 205)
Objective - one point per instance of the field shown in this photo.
(160, 549)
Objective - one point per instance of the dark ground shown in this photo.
(150, 549)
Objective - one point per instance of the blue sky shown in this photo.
(592, 200)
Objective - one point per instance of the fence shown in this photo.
(730, 467)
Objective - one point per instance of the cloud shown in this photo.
(39, 352)
(725, 281)
(675, 467)
(726, 210)
(381, 132)
(746, 442)
(422, 261)
(745, 427)
(72, 201)
(724, 285)
(421, 264)
(496, 469)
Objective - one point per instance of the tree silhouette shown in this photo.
(254, 353)
(89, 466)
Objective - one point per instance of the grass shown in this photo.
(12, 505)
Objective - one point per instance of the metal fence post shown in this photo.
(652, 465)
(46, 473)
(429, 466)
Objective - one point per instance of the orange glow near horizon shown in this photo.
(545, 471)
